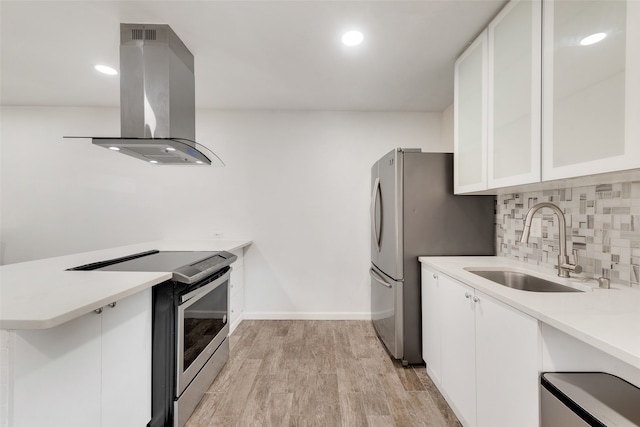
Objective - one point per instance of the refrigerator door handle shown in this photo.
(379, 279)
(374, 216)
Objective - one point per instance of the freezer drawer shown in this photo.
(576, 399)
(386, 311)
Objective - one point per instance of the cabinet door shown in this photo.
(235, 309)
(236, 292)
(591, 99)
(470, 118)
(508, 353)
(514, 96)
(458, 348)
(57, 375)
(431, 323)
(126, 362)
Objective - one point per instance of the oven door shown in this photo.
(201, 323)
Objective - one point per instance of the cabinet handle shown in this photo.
(435, 276)
(476, 299)
(467, 295)
(99, 310)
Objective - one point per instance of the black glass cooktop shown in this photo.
(161, 261)
(186, 266)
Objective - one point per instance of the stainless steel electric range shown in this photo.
(190, 342)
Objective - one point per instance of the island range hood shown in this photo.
(157, 99)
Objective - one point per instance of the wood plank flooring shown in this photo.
(317, 373)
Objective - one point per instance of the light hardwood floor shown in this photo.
(317, 373)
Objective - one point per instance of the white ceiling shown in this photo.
(283, 55)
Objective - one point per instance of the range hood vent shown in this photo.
(157, 99)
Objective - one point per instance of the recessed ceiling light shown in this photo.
(593, 39)
(171, 149)
(114, 148)
(155, 162)
(200, 162)
(104, 69)
(352, 38)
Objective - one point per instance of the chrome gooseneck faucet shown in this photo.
(564, 266)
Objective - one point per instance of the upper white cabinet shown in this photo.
(497, 102)
(591, 91)
(534, 101)
(514, 94)
(470, 118)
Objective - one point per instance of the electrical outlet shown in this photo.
(536, 227)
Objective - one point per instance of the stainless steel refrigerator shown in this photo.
(414, 213)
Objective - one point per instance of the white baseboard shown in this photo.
(305, 316)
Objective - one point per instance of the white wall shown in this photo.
(296, 183)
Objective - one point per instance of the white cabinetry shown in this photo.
(236, 291)
(591, 92)
(555, 108)
(489, 354)
(514, 94)
(91, 371)
(470, 118)
(431, 317)
(57, 375)
(497, 102)
(126, 361)
(508, 360)
(458, 348)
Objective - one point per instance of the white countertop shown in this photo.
(608, 319)
(41, 294)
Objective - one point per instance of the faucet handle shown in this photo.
(565, 266)
(577, 268)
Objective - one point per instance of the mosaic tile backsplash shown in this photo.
(603, 224)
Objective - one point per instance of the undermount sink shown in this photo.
(521, 281)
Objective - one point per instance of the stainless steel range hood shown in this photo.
(157, 99)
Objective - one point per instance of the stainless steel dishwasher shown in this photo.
(577, 399)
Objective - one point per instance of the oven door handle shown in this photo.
(206, 288)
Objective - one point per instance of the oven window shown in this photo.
(203, 320)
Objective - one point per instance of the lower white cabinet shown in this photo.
(508, 364)
(458, 348)
(57, 375)
(126, 362)
(236, 291)
(490, 354)
(92, 371)
(431, 318)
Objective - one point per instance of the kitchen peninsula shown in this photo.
(83, 338)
